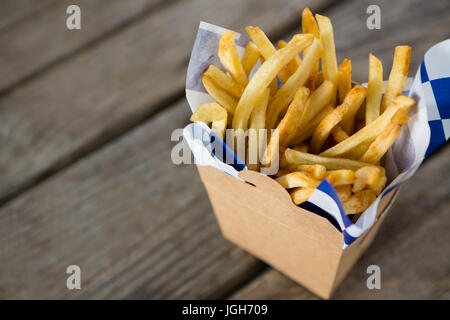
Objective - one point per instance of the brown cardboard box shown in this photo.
(260, 217)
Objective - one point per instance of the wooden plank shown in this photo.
(108, 88)
(137, 225)
(411, 248)
(12, 11)
(38, 41)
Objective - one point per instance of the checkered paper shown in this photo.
(427, 129)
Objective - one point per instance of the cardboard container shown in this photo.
(259, 216)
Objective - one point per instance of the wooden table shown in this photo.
(86, 176)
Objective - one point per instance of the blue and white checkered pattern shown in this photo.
(431, 90)
(435, 77)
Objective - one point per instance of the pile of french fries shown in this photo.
(326, 126)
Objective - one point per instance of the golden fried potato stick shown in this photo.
(357, 152)
(344, 79)
(292, 157)
(266, 48)
(309, 25)
(250, 57)
(212, 112)
(257, 122)
(341, 177)
(374, 89)
(300, 195)
(344, 192)
(317, 171)
(324, 128)
(352, 102)
(318, 100)
(293, 65)
(359, 202)
(365, 177)
(287, 124)
(309, 128)
(229, 58)
(382, 144)
(297, 179)
(339, 134)
(287, 91)
(228, 84)
(273, 86)
(329, 62)
(372, 130)
(379, 185)
(220, 95)
(398, 75)
(265, 74)
(303, 147)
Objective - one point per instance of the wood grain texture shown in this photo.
(39, 40)
(137, 225)
(111, 86)
(411, 248)
(12, 11)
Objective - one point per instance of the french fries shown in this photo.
(326, 126)
(398, 75)
(250, 57)
(374, 89)
(295, 63)
(329, 62)
(300, 195)
(212, 112)
(297, 179)
(226, 83)
(265, 74)
(344, 79)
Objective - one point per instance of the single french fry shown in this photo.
(273, 86)
(287, 91)
(297, 179)
(309, 25)
(318, 100)
(292, 157)
(339, 134)
(398, 75)
(372, 130)
(329, 62)
(220, 95)
(257, 122)
(287, 124)
(374, 89)
(229, 85)
(324, 128)
(265, 74)
(300, 195)
(250, 57)
(303, 147)
(293, 65)
(365, 177)
(341, 176)
(229, 58)
(344, 192)
(266, 48)
(344, 79)
(359, 202)
(352, 102)
(382, 144)
(212, 112)
(317, 171)
(379, 185)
